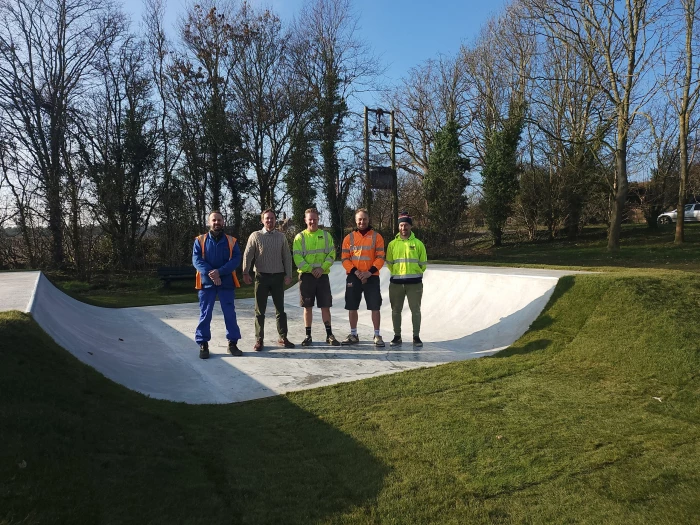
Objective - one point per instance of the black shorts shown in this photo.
(354, 289)
(312, 289)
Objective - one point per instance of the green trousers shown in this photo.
(269, 284)
(397, 294)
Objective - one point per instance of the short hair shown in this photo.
(311, 210)
(362, 210)
(267, 210)
(212, 212)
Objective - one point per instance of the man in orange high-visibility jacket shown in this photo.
(216, 256)
(363, 257)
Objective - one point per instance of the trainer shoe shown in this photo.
(396, 341)
(258, 346)
(233, 349)
(307, 341)
(286, 342)
(417, 341)
(378, 341)
(204, 351)
(331, 340)
(350, 340)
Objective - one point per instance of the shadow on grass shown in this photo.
(532, 346)
(78, 448)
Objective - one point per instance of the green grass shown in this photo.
(563, 427)
(119, 291)
(640, 247)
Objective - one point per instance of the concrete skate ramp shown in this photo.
(467, 312)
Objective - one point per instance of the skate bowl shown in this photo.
(467, 312)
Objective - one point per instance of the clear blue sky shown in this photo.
(402, 33)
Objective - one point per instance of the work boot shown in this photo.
(417, 341)
(233, 349)
(258, 346)
(378, 341)
(350, 340)
(331, 340)
(286, 342)
(204, 351)
(396, 341)
(307, 341)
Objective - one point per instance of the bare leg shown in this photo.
(325, 316)
(308, 316)
(352, 315)
(376, 317)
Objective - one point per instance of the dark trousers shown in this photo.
(269, 284)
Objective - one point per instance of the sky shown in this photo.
(402, 33)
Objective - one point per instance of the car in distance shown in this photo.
(691, 213)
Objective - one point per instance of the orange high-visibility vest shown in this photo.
(231, 242)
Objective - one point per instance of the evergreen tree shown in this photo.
(300, 175)
(500, 173)
(445, 182)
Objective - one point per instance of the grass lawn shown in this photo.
(640, 247)
(593, 416)
(118, 291)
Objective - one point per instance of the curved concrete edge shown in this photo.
(467, 312)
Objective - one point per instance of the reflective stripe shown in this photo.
(303, 245)
(311, 252)
(346, 251)
(380, 257)
(298, 252)
(316, 265)
(396, 261)
(407, 276)
(362, 258)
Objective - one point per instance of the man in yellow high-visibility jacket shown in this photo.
(406, 259)
(314, 253)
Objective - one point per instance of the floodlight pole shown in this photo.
(395, 189)
(368, 187)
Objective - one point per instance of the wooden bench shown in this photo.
(176, 273)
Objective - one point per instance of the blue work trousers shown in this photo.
(207, 298)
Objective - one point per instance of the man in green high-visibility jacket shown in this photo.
(314, 253)
(406, 259)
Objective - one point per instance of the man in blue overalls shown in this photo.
(216, 256)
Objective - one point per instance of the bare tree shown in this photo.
(619, 42)
(683, 91)
(432, 94)
(270, 101)
(47, 49)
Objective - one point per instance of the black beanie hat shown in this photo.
(405, 217)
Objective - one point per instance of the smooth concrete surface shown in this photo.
(467, 312)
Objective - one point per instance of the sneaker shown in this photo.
(258, 346)
(331, 340)
(204, 351)
(307, 341)
(396, 341)
(350, 340)
(417, 341)
(378, 341)
(233, 349)
(286, 342)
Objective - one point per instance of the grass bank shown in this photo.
(593, 416)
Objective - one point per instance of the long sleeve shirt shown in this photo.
(267, 252)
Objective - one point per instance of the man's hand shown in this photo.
(363, 276)
(287, 281)
(247, 279)
(215, 277)
(317, 272)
